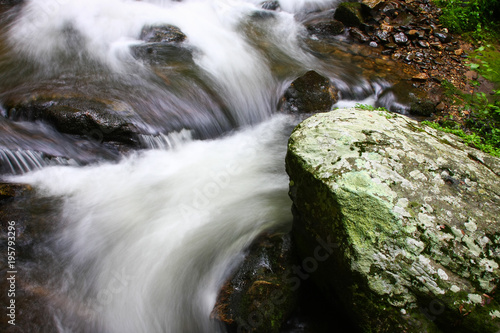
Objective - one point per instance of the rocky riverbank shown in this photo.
(406, 34)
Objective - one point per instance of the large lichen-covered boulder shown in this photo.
(411, 215)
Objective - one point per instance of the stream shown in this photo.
(143, 238)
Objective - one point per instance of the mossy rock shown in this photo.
(414, 217)
(352, 14)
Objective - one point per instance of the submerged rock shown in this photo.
(410, 216)
(328, 29)
(258, 298)
(310, 93)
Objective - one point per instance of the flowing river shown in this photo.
(144, 239)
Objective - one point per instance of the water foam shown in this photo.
(149, 240)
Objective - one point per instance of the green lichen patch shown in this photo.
(414, 215)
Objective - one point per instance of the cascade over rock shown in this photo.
(413, 214)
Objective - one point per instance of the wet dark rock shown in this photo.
(358, 35)
(401, 39)
(326, 29)
(396, 56)
(426, 28)
(270, 5)
(412, 34)
(310, 93)
(390, 8)
(437, 45)
(423, 44)
(259, 297)
(352, 14)
(97, 120)
(410, 56)
(383, 35)
(162, 34)
(391, 46)
(443, 37)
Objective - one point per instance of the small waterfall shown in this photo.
(22, 161)
(165, 141)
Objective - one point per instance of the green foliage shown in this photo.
(471, 139)
(482, 126)
(477, 17)
(369, 107)
(486, 62)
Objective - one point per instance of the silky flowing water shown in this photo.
(145, 239)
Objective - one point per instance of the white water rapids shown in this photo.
(151, 238)
(146, 242)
